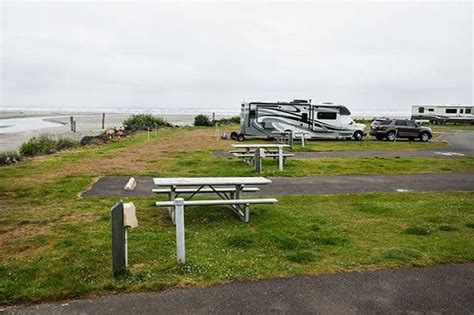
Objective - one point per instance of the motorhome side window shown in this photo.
(421, 110)
(304, 117)
(431, 109)
(451, 110)
(468, 110)
(324, 115)
(252, 114)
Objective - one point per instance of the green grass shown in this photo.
(55, 245)
(68, 257)
(367, 145)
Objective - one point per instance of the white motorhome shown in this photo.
(441, 114)
(317, 121)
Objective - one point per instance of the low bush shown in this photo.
(45, 145)
(229, 121)
(202, 120)
(144, 122)
(7, 158)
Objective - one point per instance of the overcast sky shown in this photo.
(370, 56)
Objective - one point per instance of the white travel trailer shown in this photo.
(441, 114)
(317, 121)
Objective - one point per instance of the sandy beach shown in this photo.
(19, 126)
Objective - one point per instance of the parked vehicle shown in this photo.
(378, 121)
(392, 129)
(442, 114)
(317, 121)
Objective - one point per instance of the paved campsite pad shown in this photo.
(443, 289)
(112, 186)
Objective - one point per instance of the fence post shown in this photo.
(103, 120)
(74, 124)
(71, 122)
(179, 213)
(119, 260)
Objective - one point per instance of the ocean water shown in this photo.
(12, 125)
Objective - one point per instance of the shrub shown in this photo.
(7, 158)
(144, 122)
(202, 120)
(66, 143)
(227, 121)
(45, 145)
(38, 146)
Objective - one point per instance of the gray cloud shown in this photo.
(370, 56)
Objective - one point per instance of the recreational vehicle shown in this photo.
(441, 114)
(317, 121)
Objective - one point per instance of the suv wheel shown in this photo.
(424, 136)
(391, 136)
(358, 135)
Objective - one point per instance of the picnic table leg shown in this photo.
(280, 158)
(172, 210)
(247, 215)
(180, 247)
(258, 161)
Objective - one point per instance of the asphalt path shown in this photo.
(447, 289)
(112, 186)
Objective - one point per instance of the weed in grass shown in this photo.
(241, 240)
(282, 241)
(303, 256)
(402, 254)
(330, 240)
(417, 230)
(470, 225)
(447, 228)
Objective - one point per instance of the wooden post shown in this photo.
(290, 140)
(103, 120)
(74, 124)
(258, 161)
(119, 260)
(71, 122)
(213, 116)
(148, 134)
(280, 158)
(180, 247)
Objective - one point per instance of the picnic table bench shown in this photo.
(254, 152)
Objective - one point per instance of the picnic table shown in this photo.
(229, 189)
(253, 153)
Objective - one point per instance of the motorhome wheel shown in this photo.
(240, 137)
(358, 136)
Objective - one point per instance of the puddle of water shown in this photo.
(13, 125)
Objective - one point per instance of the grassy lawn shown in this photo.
(55, 245)
(369, 144)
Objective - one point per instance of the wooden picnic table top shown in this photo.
(260, 145)
(198, 181)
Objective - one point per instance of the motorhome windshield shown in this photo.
(344, 110)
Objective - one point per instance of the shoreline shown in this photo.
(87, 124)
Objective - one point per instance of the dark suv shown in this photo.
(392, 129)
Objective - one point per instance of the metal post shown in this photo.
(71, 122)
(290, 140)
(302, 140)
(103, 120)
(258, 161)
(280, 158)
(180, 248)
(119, 251)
